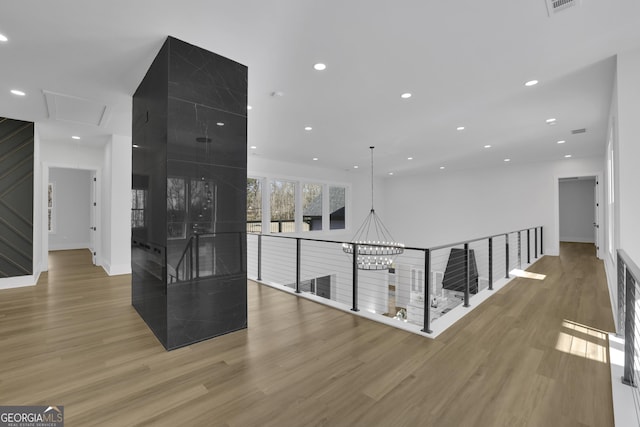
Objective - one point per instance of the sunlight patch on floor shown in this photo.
(527, 274)
(583, 341)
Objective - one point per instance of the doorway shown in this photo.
(578, 202)
(72, 216)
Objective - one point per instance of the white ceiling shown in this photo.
(465, 62)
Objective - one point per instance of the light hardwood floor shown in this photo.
(533, 355)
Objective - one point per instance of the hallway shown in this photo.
(534, 354)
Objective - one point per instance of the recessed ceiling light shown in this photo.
(390, 173)
(320, 66)
(507, 160)
(75, 137)
(441, 167)
(308, 128)
(220, 124)
(3, 38)
(562, 141)
(355, 167)
(135, 146)
(315, 158)
(17, 92)
(249, 107)
(487, 146)
(253, 147)
(460, 128)
(405, 95)
(567, 156)
(409, 158)
(550, 120)
(531, 83)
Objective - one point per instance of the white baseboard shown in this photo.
(116, 270)
(577, 239)
(19, 281)
(67, 246)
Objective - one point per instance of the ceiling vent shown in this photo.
(68, 108)
(555, 6)
(577, 131)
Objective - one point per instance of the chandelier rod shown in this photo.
(372, 147)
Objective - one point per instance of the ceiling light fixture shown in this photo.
(135, 146)
(315, 158)
(3, 38)
(562, 141)
(441, 167)
(550, 120)
(507, 160)
(75, 137)
(220, 124)
(253, 147)
(390, 173)
(356, 167)
(409, 158)
(249, 107)
(17, 92)
(487, 146)
(375, 251)
(531, 83)
(320, 66)
(567, 156)
(308, 128)
(460, 128)
(405, 95)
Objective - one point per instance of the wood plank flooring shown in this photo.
(532, 355)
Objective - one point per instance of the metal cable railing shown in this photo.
(423, 285)
(629, 321)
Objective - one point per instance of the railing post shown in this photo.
(535, 235)
(259, 257)
(298, 265)
(466, 275)
(519, 249)
(490, 263)
(355, 277)
(427, 292)
(541, 242)
(280, 226)
(528, 246)
(629, 330)
(621, 296)
(506, 246)
(197, 256)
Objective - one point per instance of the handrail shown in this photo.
(410, 248)
(632, 266)
(189, 247)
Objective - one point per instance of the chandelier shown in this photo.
(373, 243)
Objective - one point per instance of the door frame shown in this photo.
(600, 192)
(46, 166)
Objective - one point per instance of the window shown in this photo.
(138, 204)
(176, 208)
(311, 207)
(337, 202)
(50, 205)
(254, 205)
(283, 206)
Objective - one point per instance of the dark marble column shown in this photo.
(189, 191)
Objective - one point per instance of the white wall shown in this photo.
(577, 210)
(116, 186)
(439, 208)
(71, 208)
(628, 157)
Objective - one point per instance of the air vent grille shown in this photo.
(555, 6)
(577, 131)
